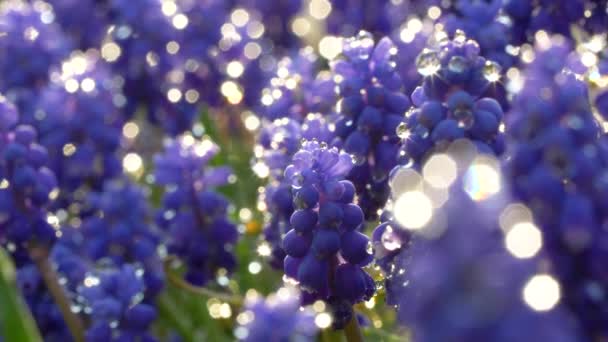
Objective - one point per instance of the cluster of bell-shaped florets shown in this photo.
(325, 249)
(297, 88)
(194, 215)
(120, 229)
(557, 166)
(112, 299)
(369, 110)
(527, 17)
(27, 185)
(276, 317)
(484, 262)
(32, 41)
(481, 21)
(79, 120)
(460, 97)
(277, 142)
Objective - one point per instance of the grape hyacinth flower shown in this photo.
(450, 260)
(556, 17)
(244, 58)
(31, 41)
(143, 49)
(34, 39)
(92, 14)
(27, 185)
(347, 17)
(410, 39)
(276, 318)
(481, 22)
(79, 120)
(557, 161)
(325, 250)
(370, 108)
(460, 97)
(277, 16)
(196, 67)
(192, 213)
(120, 230)
(460, 273)
(400, 12)
(277, 142)
(112, 298)
(297, 89)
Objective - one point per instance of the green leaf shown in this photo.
(16, 323)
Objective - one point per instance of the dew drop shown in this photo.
(369, 248)
(460, 37)
(358, 159)
(465, 118)
(427, 63)
(390, 239)
(421, 131)
(298, 181)
(457, 64)
(402, 131)
(491, 71)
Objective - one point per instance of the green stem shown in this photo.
(178, 282)
(40, 256)
(169, 312)
(352, 331)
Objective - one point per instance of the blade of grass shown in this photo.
(16, 323)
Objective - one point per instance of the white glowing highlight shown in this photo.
(132, 163)
(413, 209)
(542, 292)
(524, 240)
(440, 171)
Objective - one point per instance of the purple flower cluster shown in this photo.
(277, 16)
(557, 164)
(370, 108)
(79, 119)
(119, 231)
(325, 250)
(456, 274)
(113, 300)
(277, 143)
(34, 43)
(27, 185)
(480, 21)
(276, 318)
(92, 14)
(459, 98)
(195, 216)
(528, 17)
(297, 89)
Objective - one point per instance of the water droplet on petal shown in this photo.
(390, 240)
(369, 248)
(402, 131)
(358, 159)
(491, 71)
(465, 118)
(427, 63)
(457, 64)
(460, 37)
